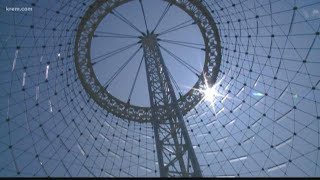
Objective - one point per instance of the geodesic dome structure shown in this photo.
(258, 117)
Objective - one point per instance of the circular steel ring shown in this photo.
(90, 21)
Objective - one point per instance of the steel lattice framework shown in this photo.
(174, 148)
(176, 155)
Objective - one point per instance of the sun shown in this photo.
(209, 94)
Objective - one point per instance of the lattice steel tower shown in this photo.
(169, 129)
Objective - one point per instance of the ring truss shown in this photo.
(98, 92)
(264, 120)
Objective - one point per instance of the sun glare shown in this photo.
(209, 94)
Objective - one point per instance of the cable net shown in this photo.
(262, 121)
